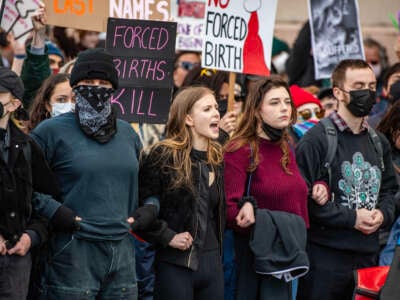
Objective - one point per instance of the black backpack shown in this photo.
(331, 136)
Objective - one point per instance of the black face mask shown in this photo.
(222, 107)
(394, 93)
(361, 102)
(2, 115)
(273, 133)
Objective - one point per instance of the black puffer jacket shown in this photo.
(181, 209)
(18, 178)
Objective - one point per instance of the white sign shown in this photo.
(238, 35)
(16, 17)
(189, 14)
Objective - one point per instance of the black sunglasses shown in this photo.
(237, 98)
(187, 65)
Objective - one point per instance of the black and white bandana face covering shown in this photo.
(94, 113)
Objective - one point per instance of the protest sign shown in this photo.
(335, 34)
(144, 54)
(140, 9)
(189, 14)
(92, 15)
(238, 35)
(15, 16)
(79, 14)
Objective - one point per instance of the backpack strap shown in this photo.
(378, 146)
(332, 139)
(249, 173)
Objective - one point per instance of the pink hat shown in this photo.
(300, 96)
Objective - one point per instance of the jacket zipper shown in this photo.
(220, 216)
(191, 248)
(197, 221)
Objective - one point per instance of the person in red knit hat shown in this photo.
(309, 112)
(260, 146)
(307, 105)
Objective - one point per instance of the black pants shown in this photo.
(175, 282)
(14, 276)
(331, 273)
(252, 286)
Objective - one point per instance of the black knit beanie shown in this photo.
(94, 63)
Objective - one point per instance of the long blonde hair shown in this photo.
(174, 151)
(247, 132)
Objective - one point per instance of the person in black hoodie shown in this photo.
(184, 172)
(343, 234)
(23, 169)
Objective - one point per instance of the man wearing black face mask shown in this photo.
(22, 170)
(95, 158)
(343, 234)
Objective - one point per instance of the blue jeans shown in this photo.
(145, 255)
(87, 269)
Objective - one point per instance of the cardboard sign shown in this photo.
(335, 34)
(144, 54)
(238, 35)
(79, 14)
(92, 15)
(15, 16)
(190, 17)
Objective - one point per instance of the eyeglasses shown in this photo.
(187, 65)
(307, 114)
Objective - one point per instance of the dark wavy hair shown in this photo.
(39, 111)
(247, 132)
(210, 78)
(390, 124)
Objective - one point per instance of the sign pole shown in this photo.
(231, 97)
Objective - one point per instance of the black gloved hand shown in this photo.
(144, 216)
(64, 220)
(245, 199)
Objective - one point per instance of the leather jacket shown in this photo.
(19, 176)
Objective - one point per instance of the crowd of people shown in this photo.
(282, 197)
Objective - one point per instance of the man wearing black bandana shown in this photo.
(95, 158)
(343, 234)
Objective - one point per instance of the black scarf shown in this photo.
(94, 113)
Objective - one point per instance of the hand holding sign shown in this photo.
(39, 18)
(39, 27)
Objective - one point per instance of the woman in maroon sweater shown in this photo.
(260, 146)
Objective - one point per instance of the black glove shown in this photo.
(64, 220)
(144, 216)
(245, 199)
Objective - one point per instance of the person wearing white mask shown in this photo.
(53, 98)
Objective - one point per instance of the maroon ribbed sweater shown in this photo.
(270, 186)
